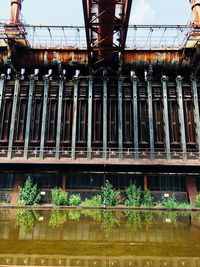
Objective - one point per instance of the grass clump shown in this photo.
(59, 197)
(75, 200)
(108, 195)
(29, 193)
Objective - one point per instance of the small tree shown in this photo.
(133, 195)
(109, 195)
(29, 193)
(59, 197)
(147, 198)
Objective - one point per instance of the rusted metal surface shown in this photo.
(77, 57)
(16, 6)
(173, 58)
(106, 23)
(196, 11)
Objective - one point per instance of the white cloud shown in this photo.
(142, 12)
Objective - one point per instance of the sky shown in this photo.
(69, 12)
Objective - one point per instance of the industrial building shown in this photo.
(108, 101)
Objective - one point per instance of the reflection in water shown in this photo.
(27, 219)
(57, 218)
(109, 238)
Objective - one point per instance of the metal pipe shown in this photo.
(196, 11)
(16, 6)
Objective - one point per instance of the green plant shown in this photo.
(147, 198)
(109, 195)
(75, 200)
(29, 193)
(93, 202)
(59, 197)
(197, 201)
(133, 195)
(170, 202)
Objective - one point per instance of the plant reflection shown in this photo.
(57, 218)
(74, 215)
(27, 219)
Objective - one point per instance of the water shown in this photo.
(99, 238)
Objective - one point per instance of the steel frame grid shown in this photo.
(106, 31)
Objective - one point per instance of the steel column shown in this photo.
(29, 111)
(105, 112)
(179, 82)
(59, 118)
(166, 117)
(89, 137)
(135, 117)
(44, 116)
(12, 123)
(2, 82)
(196, 110)
(150, 114)
(120, 125)
(74, 122)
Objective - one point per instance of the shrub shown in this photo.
(29, 193)
(59, 197)
(109, 195)
(75, 200)
(133, 195)
(93, 202)
(197, 201)
(170, 202)
(147, 198)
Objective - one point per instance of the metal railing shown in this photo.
(100, 153)
(139, 36)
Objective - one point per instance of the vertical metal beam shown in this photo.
(120, 125)
(150, 114)
(12, 123)
(59, 118)
(179, 81)
(166, 117)
(89, 137)
(64, 178)
(105, 112)
(196, 110)
(145, 182)
(44, 116)
(2, 82)
(135, 116)
(74, 122)
(29, 112)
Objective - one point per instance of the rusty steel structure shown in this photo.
(107, 100)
